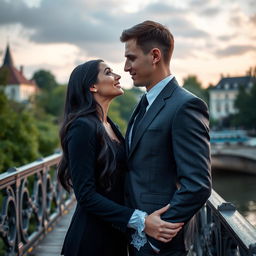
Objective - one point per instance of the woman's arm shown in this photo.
(82, 144)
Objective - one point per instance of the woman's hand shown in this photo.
(159, 229)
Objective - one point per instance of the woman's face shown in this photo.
(108, 85)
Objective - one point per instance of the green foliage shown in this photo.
(45, 80)
(52, 102)
(3, 76)
(18, 136)
(114, 114)
(126, 103)
(245, 103)
(48, 139)
(31, 131)
(121, 108)
(192, 84)
(24, 136)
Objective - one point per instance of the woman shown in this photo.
(93, 164)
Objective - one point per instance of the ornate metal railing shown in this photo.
(223, 231)
(31, 201)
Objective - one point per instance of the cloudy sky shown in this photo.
(212, 37)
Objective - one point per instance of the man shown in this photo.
(167, 140)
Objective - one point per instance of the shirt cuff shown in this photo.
(137, 222)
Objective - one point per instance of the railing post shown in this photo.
(226, 206)
(224, 232)
(19, 244)
(15, 228)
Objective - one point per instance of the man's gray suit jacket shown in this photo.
(169, 160)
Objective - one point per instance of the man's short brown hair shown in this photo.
(150, 34)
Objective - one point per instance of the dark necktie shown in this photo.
(141, 112)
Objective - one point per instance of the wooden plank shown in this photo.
(51, 244)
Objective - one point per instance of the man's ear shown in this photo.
(93, 89)
(156, 55)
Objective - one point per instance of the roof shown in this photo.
(13, 75)
(233, 83)
(8, 61)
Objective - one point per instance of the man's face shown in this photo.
(138, 64)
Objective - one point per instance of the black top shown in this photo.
(117, 179)
(100, 215)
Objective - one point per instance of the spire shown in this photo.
(8, 57)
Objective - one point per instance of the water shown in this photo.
(240, 189)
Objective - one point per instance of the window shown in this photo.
(218, 108)
(226, 108)
(13, 93)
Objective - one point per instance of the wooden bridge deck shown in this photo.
(51, 244)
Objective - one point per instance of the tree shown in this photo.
(18, 136)
(48, 139)
(245, 103)
(45, 80)
(114, 114)
(251, 72)
(192, 84)
(52, 102)
(122, 107)
(3, 76)
(127, 103)
(23, 136)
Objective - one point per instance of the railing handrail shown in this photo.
(223, 215)
(37, 164)
(32, 202)
(240, 228)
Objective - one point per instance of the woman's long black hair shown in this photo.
(81, 103)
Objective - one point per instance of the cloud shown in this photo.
(163, 9)
(74, 22)
(235, 50)
(60, 21)
(210, 11)
(176, 19)
(253, 19)
(94, 29)
(198, 2)
(236, 20)
(226, 37)
(182, 51)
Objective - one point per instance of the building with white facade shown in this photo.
(223, 95)
(14, 84)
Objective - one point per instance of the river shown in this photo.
(240, 189)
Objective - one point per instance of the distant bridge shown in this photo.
(36, 211)
(234, 158)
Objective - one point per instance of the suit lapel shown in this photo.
(153, 110)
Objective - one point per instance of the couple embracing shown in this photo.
(137, 194)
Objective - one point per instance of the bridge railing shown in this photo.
(223, 231)
(31, 200)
